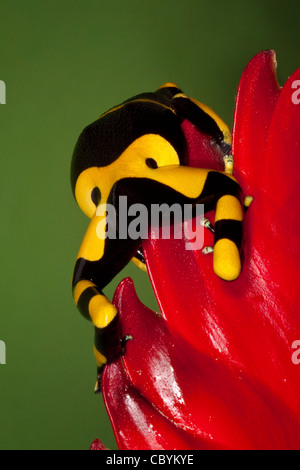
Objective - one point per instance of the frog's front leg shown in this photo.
(98, 262)
(223, 193)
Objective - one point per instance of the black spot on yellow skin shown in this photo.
(96, 196)
(151, 163)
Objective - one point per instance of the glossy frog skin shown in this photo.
(138, 150)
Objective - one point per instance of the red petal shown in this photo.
(273, 249)
(97, 445)
(184, 390)
(280, 166)
(199, 146)
(136, 423)
(255, 103)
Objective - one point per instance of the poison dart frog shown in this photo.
(138, 150)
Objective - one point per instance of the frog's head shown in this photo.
(127, 141)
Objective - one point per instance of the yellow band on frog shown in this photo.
(102, 311)
(81, 286)
(100, 359)
(227, 263)
(229, 207)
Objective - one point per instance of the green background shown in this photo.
(64, 63)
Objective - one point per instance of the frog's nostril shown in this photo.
(96, 196)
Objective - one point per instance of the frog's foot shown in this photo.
(124, 341)
(100, 369)
(247, 202)
(207, 224)
(207, 250)
(228, 163)
(97, 389)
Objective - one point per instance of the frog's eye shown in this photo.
(151, 163)
(96, 196)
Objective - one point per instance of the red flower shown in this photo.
(215, 370)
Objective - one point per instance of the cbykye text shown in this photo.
(155, 459)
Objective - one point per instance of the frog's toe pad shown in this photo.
(227, 262)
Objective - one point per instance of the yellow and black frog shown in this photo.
(138, 150)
